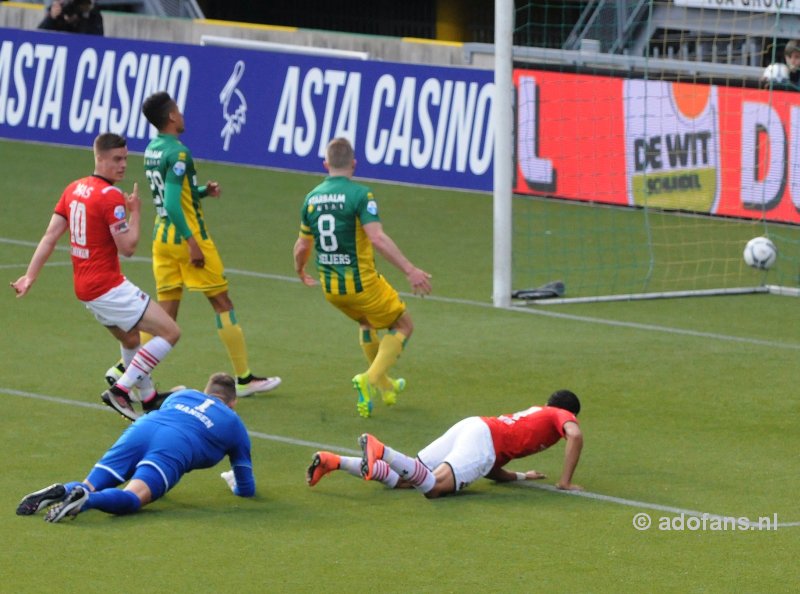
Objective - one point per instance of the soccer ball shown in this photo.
(760, 253)
(778, 73)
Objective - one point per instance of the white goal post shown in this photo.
(641, 173)
(503, 150)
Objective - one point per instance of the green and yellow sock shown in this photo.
(368, 340)
(391, 346)
(232, 337)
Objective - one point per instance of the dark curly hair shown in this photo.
(156, 109)
(566, 400)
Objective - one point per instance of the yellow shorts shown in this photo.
(173, 269)
(378, 305)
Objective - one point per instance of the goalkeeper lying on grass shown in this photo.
(191, 430)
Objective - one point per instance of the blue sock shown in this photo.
(113, 501)
(69, 486)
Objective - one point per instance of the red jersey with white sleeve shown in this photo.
(95, 212)
(526, 432)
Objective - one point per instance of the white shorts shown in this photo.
(123, 306)
(467, 447)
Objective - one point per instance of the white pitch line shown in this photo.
(666, 329)
(552, 314)
(324, 446)
(486, 304)
(23, 242)
(48, 264)
(655, 506)
(56, 399)
(303, 442)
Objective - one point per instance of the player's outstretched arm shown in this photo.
(501, 475)
(386, 247)
(56, 228)
(572, 454)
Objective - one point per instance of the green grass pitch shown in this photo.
(689, 404)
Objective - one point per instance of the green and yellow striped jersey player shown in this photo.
(337, 210)
(168, 165)
(184, 255)
(339, 218)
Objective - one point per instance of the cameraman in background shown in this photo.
(73, 16)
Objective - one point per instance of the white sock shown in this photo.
(428, 482)
(146, 388)
(409, 469)
(128, 355)
(350, 465)
(145, 385)
(383, 473)
(146, 358)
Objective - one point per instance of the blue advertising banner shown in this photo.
(409, 123)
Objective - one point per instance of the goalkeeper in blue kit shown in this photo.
(191, 430)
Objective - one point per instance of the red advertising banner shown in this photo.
(698, 148)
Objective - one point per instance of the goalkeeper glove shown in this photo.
(230, 479)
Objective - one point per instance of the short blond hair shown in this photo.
(223, 386)
(339, 153)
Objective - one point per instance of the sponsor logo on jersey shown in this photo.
(119, 212)
(79, 252)
(327, 199)
(119, 227)
(372, 207)
(179, 168)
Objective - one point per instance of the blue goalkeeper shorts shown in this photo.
(151, 452)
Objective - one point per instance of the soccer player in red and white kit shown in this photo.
(96, 214)
(472, 448)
